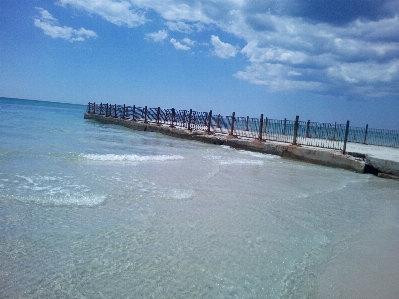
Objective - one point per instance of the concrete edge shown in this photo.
(326, 157)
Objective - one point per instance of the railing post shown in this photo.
(145, 114)
(184, 118)
(246, 124)
(101, 108)
(189, 120)
(218, 122)
(307, 129)
(232, 123)
(158, 113)
(346, 137)
(209, 122)
(266, 124)
(335, 131)
(94, 109)
(285, 125)
(260, 127)
(173, 117)
(365, 134)
(295, 130)
(88, 108)
(124, 110)
(134, 111)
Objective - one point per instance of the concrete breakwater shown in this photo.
(357, 162)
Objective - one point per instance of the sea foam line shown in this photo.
(130, 158)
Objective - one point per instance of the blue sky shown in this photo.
(324, 60)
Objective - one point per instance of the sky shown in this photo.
(324, 60)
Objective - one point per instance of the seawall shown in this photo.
(327, 157)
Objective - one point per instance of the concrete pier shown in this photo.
(357, 161)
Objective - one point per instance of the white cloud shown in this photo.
(288, 46)
(158, 36)
(221, 49)
(117, 12)
(179, 26)
(275, 77)
(178, 45)
(365, 72)
(49, 26)
(188, 41)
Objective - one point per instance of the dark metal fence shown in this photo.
(325, 135)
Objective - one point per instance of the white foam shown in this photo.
(69, 200)
(53, 190)
(241, 162)
(232, 161)
(130, 158)
(226, 146)
(179, 193)
(259, 155)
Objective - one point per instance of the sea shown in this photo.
(91, 210)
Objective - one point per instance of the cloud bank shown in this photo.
(334, 47)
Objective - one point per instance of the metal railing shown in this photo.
(324, 135)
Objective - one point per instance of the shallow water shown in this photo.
(91, 210)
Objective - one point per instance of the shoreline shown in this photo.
(358, 162)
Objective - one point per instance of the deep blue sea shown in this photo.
(89, 210)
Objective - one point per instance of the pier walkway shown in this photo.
(379, 160)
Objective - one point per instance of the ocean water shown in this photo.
(99, 211)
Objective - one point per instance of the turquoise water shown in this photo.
(98, 211)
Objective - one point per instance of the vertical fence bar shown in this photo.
(335, 131)
(260, 127)
(173, 117)
(232, 123)
(145, 114)
(285, 125)
(189, 119)
(365, 134)
(158, 113)
(246, 124)
(134, 111)
(88, 111)
(346, 137)
(124, 111)
(218, 122)
(115, 111)
(266, 124)
(307, 129)
(94, 108)
(296, 125)
(209, 122)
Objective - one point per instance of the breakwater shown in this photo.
(296, 132)
(283, 138)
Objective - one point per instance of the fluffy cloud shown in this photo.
(158, 36)
(49, 26)
(221, 49)
(188, 41)
(320, 46)
(116, 12)
(178, 45)
(179, 26)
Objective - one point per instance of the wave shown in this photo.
(50, 190)
(241, 162)
(130, 158)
